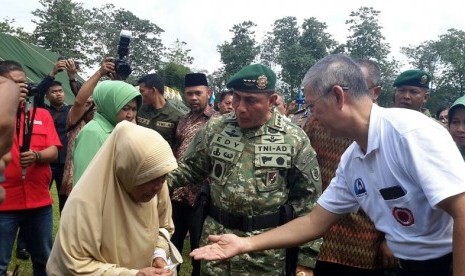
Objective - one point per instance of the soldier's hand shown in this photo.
(223, 247)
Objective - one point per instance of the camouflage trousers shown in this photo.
(268, 262)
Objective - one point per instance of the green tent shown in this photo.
(37, 62)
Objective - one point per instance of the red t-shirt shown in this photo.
(31, 192)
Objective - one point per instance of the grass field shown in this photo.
(25, 267)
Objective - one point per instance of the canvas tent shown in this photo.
(38, 63)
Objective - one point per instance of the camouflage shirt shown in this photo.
(253, 172)
(163, 120)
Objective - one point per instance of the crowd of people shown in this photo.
(341, 186)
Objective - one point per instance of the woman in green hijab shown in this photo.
(457, 123)
(115, 101)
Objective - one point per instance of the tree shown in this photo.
(295, 50)
(178, 54)
(241, 51)
(60, 28)
(6, 26)
(367, 42)
(451, 49)
(173, 74)
(146, 48)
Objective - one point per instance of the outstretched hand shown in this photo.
(223, 247)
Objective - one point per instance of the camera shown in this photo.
(122, 68)
(58, 59)
(32, 89)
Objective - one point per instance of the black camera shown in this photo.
(122, 68)
(32, 89)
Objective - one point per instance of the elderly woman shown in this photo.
(457, 123)
(110, 223)
(115, 101)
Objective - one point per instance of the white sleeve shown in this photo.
(434, 162)
(337, 198)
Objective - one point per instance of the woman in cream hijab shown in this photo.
(111, 221)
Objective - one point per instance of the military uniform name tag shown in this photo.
(142, 121)
(275, 139)
(165, 124)
(228, 142)
(272, 160)
(232, 132)
(223, 154)
(273, 148)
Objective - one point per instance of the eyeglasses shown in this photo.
(312, 104)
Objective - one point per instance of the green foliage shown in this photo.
(178, 54)
(444, 59)
(60, 27)
(6, 26)
(295, 50)
(241, 51)
(366, 41)
(173, 75)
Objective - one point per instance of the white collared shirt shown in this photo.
(409, 150)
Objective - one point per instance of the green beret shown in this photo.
(253, 78)
(414, 77)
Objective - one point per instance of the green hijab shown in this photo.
(111, 96)
(459, 103)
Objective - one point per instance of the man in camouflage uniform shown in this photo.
(156, 112)
(257, 163)
(412, 90)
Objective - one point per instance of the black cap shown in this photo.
(195, 79)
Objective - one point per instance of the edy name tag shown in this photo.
(228, 142)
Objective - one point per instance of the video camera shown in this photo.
(122, 68)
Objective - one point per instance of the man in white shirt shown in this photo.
(410, 186)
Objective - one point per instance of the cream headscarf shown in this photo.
(102, 230)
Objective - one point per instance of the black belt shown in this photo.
(242, 222)
(442, 263)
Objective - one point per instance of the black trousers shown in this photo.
(187, 218)
(441, 266)
(57, 175)
(332, 269)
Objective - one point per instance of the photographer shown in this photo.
(55, 94)
(9, 93)
(29, 203)
(81, 112)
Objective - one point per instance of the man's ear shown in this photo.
(272, 100)
(426, 97)
(339, 94)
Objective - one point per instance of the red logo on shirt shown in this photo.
(403, 216)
